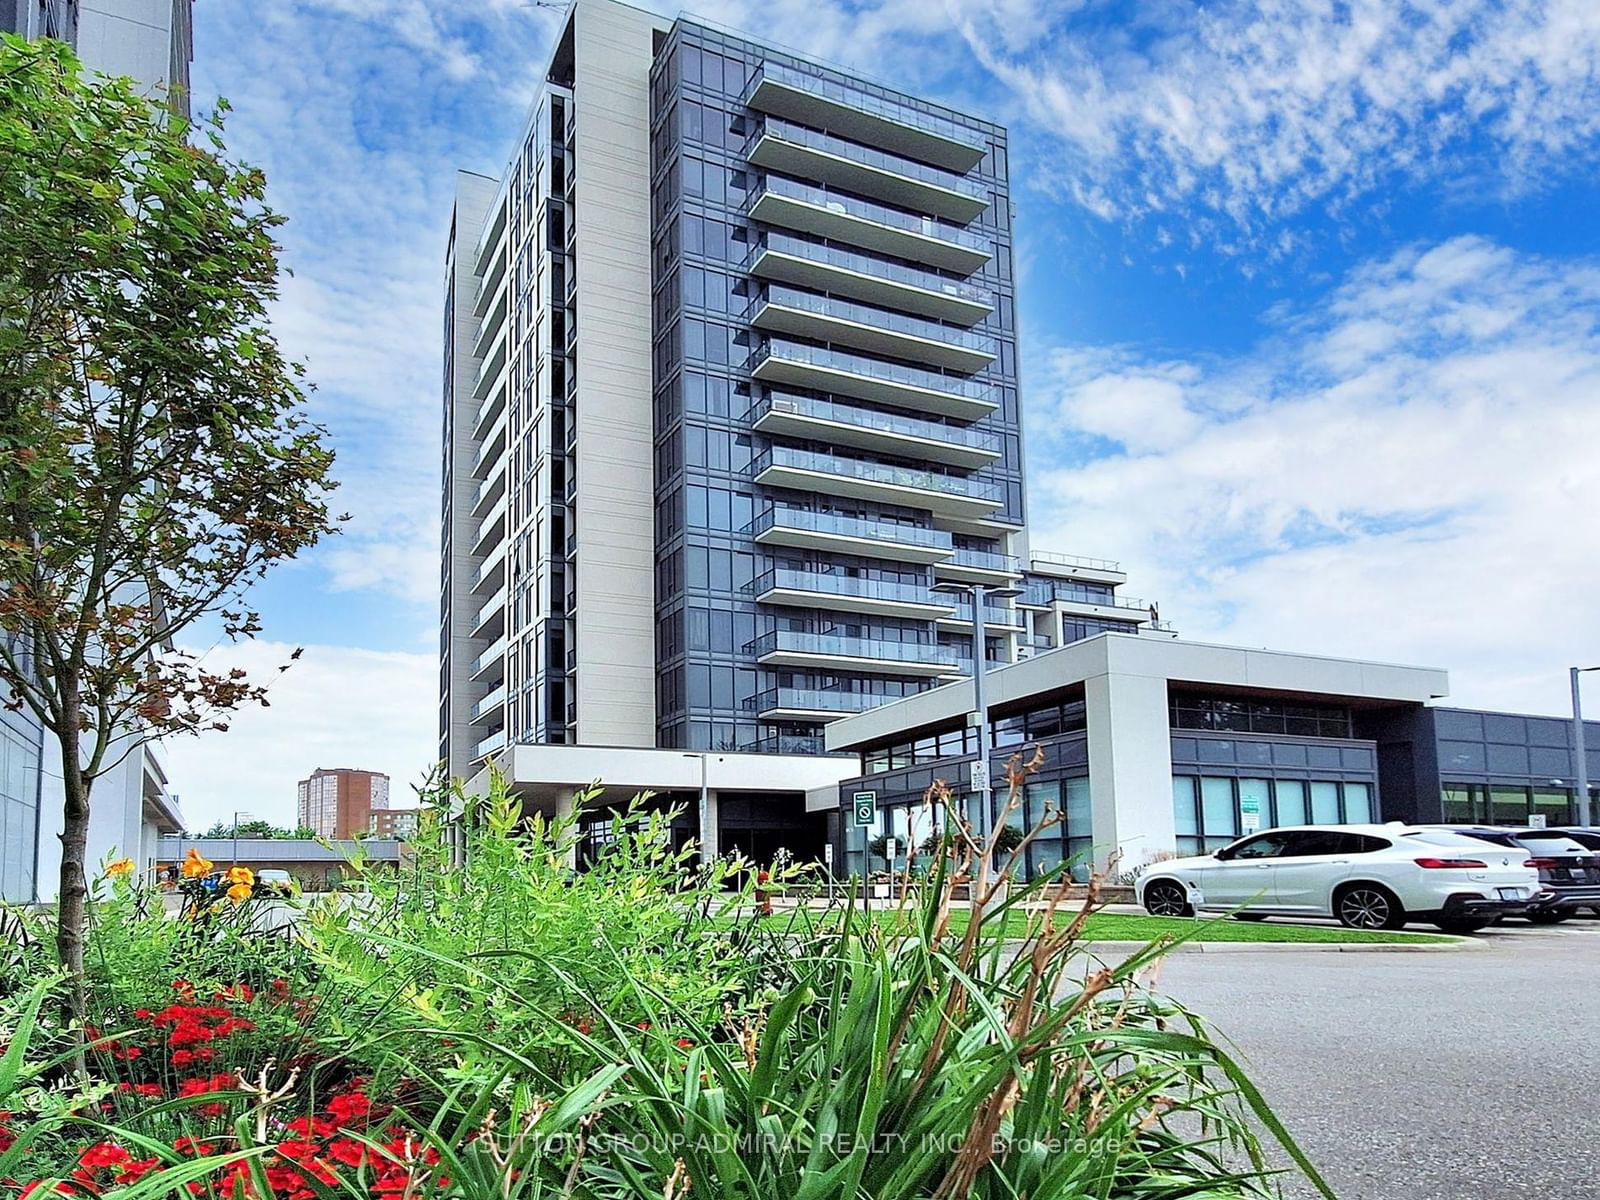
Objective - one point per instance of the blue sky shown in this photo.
(1309, 300)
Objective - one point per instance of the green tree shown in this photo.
(155, 451)
(256, 828)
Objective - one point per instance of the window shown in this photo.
(1218, 814)
(1325, 803)
(1508, 806)
(1290, 795)
(1358, 804)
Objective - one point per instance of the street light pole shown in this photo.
(980, 706)
(980, 594)
(1579, 753)
(708, 851)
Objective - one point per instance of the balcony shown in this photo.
(857, 222)
(494, 290)
(786, 743)
(491, 663)
(818, 368)
(780, 145)
(829, 652)
(489, 706)
(491, 572)
(491, 367)
(790, 259)
(867, 429)
(495, 741)
(876, 120)
(491, 236)
(490, 619)
(979, 566)
(488, 411)
(1003, 619)
(845, 593)
(491, 324)
(834, 475)
(493, 443)
(849, 535)
(1076, 567)
(490, 489)
(866, 327)
(810, 704)
(492, 528)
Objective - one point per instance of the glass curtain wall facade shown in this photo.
(835, 405)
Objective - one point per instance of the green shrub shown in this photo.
(514, 946)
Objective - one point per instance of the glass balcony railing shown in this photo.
(866, 418)
(870, 210)
(490, 702)
(866, 264)
(991, 615)
(878, 106)
(488, 657)
(495, 741)
(787, 579)
(870, 315)
(875, 369)
(849, 527)
(834, 646)
(1045, 592)
(867, 156)
(873, 472)
(814, 700)
(787, 743)
(985, 560)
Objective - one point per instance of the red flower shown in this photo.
(104, 1154)
(685, 1044)
(351, 1153)
(349, 1107)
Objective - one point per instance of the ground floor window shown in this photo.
(1503, 804)
(1211, 811)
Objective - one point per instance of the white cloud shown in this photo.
(1406, 471)
(1247, 111)
(335, 707)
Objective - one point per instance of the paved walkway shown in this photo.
(1462, 1076)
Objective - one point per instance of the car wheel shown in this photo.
(1368, 906)
(1163, 898)
(1249, 916)
(1463, 924)
(1549, 916)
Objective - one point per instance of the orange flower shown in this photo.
(239, 893)
(123, 866)
(195, 867)
(241, 875)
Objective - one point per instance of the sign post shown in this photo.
(863, 816)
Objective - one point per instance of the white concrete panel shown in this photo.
(615, 525)
(1130, 768)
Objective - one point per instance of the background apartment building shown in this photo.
(151, 41)
(730, 390)
(341, 802)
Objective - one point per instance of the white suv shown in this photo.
(1368, 876)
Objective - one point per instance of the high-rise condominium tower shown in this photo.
(730, 386)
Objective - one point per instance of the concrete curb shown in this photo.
(1282, 947)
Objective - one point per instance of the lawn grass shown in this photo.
(1136, 927)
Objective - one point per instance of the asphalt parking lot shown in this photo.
(1463, 1074)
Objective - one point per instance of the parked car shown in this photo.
(1587, 838)
(279, 881)
(1568, 869)
(1366, 876)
